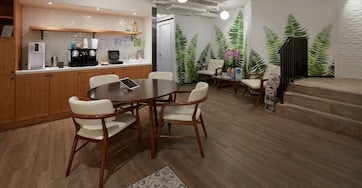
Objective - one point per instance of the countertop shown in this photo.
(66, 68)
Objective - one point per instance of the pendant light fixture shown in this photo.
(182, 1)
(224, 15)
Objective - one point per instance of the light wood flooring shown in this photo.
(246, 147)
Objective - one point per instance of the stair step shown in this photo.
(338, 95)
(336, 123)
(339, 108)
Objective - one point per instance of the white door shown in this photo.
(165, 48)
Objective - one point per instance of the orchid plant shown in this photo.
(231, 58)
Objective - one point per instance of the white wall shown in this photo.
(349, 43)
(192, 25)
(314, 15)
(58, 43)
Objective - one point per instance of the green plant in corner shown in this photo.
(318, 53)
(190, 57)
(180, 45)
(221, 42)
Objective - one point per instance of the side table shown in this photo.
(225, 81)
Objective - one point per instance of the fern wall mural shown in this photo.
(228, 48)
(317, 50)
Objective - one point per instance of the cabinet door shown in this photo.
(143, 71)
(83, 81)
(32, 96)
(7, 100)
(134, 72)
(118, 71)
(62, 86)
(7, 54)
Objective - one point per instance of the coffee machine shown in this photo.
(80, 57)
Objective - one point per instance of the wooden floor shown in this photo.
(246, 147)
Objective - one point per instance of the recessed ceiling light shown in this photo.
(50, 3)
(224, 15)
(134, 14)
(182, 1)
(98, 9)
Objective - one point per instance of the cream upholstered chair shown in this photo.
(97, 121)
(163, 76)
(259, 84)
(214, 67)
(185, 113)
(99, 80)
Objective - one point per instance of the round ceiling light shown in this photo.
(224, 15)
(182, 1)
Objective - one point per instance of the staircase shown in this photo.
(329, 103)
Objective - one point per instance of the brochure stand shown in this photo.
(271, 92)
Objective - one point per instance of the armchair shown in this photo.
(259, 84)
(213, 68)
(97, 121)
(185, 113)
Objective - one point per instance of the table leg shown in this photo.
(235, 86)
(151, 105)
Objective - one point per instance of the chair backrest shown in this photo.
(199, 92)
(99, 80)
(161, 75)
(271, 69)
(215, 63)
(94, 107)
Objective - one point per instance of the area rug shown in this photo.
(165, 178)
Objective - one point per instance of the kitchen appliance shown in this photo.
(83, 57)
(36, 55)
(113, 57)
(54, 61)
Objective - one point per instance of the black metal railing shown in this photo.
(293, 62)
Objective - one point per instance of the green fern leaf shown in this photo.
(318, 53)
(212, 55)
(180, 45)
(293, 29)
(236, 34)
(190, 69)
(221, 42)
(273, 45)
(204, 53)
(256, 63)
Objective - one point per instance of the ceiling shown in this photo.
(210, 8)
(192, 7)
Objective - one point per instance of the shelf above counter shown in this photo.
(83, 30)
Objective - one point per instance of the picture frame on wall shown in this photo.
(7, 31)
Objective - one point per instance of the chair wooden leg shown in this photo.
(74, 146)
(259, 98)
(203, 125)
(159, 126)
(139, 130)
(198, 139)
(103, 163)
(245, 90)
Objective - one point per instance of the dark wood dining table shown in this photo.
(148, 92)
